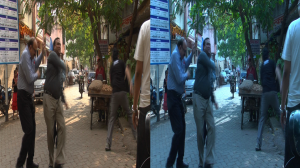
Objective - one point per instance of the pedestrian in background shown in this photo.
(15, 100)
(251, 75)
(100, 75)
(177, 76)
(165, 106)
(142, 94)
(28, 74)
(268, 72)
(290, 86)
(202, 105)
(53, 109)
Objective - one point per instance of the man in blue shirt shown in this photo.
(202, 105)
(176, 80)
(27, 75)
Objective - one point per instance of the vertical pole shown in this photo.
(6, 93)
(157, 93)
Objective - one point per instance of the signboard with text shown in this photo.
(160, 39)
(103, 47)
(9, 32)
(255, 46)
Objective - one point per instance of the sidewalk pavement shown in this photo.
(234, 147)
(85, 148)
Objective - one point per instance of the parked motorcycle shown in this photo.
(2, 98)
(153, 98)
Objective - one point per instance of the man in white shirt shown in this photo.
(142, 81)
(290, 84)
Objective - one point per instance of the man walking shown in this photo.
(202, 105)
(142, 91)
(176, 79)
(28, 74)
(268, 72)
(291, 83)
(120, 87)
(53, 110)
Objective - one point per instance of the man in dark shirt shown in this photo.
(268, 72)
(120, 81)
(202, 105)
(53, 109)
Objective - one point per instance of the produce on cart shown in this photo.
(100, 94)
(250, 94)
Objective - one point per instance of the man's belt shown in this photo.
(49, 93)
(198, 93)
(175, 93)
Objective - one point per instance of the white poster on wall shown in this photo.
(9, 32)
(160, 46)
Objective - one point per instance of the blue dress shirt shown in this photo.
(177, 69)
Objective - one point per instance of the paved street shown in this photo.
(85, 148)
(234, 147)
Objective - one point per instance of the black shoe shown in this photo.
(207, 165)
(32, 165)
(182, 165)
(169, 166)
(58, 165)
(50, 166)
(19, 166)
(257, 148)
(107, 147)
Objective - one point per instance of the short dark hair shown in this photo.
(115, 55)
(54, 42)
(180, 42)
(265, 53)
(31, 41)
(205, 40)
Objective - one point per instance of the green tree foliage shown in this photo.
(80, 42)
(100, 13)
(231, 39)
(213, 11)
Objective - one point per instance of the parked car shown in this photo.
(40, 82)
(243, 76)
(91, 77)
(71, 75)
(76, 73)
(223, 76)
(189, 84)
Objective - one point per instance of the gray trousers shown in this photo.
(118, 98)
(267, 99)
(203, 111)
(53, 111)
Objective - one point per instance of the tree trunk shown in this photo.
(283, 24)
(246, 34)
(134, 16)
(96, 43)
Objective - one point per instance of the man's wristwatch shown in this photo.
(282, 110)
(134, 110)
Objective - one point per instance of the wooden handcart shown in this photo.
(103, 101)
(253, 104)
